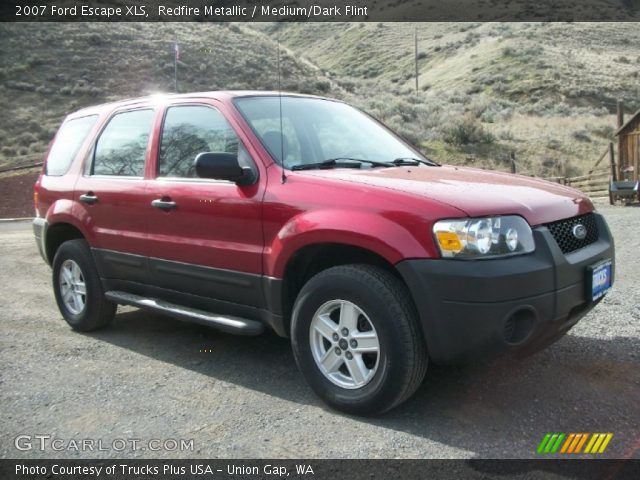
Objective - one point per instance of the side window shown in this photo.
(189, 130)
(122, 145)
(68, 140)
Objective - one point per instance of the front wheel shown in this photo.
(78, 289)
(356, 339)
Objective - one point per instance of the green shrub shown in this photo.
(9, 150)
(94, 39)
(554, 144)
(467, 131)
(606, 131)
(24, 86)
(26, 139)
(582, 136)
(322, 86)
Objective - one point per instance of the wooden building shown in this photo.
(628, 146)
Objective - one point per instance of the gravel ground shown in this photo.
(148, 377)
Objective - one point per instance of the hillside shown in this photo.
(49, 70)
(545, 92)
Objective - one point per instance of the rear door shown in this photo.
(205, 236)
(111, 194)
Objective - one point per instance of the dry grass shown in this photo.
(543, 91)
(50, 70)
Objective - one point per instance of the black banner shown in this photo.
(115, 469)
(320, 10)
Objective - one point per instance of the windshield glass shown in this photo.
(316, 130)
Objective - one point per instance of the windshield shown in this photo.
(317, 130)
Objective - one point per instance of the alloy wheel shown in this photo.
(73, 288)
(344, 344)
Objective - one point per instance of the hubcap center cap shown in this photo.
(343, 344)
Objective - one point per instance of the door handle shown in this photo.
(164, 204)
(89, 198)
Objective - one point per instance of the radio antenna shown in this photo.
(284, 175)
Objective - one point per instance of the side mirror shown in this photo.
(223, 166)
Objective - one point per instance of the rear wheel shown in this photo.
(78, 290)
(356, 339)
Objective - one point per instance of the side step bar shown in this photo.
(226, 323)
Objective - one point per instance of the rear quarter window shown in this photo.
(66, 144)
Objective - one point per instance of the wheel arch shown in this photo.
(58, 233)
(317, 257)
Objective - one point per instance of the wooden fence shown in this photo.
(595, 183)
(24, 162)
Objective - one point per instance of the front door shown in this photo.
(205, 236)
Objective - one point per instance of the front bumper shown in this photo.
(478, 309)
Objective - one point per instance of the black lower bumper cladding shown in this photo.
(472, 309)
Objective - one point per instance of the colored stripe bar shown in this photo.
(543, 443)
(590, 444)
(599, 441)
(554, 449)
(567, 443)
(576, 439)
(581, 443)
(573, 443)
(551, 442)
(605, 443)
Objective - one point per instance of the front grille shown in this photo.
(562, 232)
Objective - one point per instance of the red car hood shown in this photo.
(476, 192)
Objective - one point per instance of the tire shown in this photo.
(365, 383)
(83, 312)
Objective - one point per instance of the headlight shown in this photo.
(490, 237)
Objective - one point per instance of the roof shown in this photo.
(628, 122)
(210, 94)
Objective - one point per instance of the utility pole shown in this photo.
(416, 56)
(620, 166)
(176, 56)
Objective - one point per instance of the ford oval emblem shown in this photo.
(580, 231)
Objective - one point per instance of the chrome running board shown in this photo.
(226, 323)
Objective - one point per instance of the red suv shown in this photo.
(254, 210)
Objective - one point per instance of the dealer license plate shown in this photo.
(600, 279)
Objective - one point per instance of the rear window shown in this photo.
(122, 146)
(68, 140)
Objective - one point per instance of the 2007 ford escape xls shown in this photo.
(254, 210)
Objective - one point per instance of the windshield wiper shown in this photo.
(342, 161)
(413, 161)
(375, 163)
(311, 166)
(349, 162)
